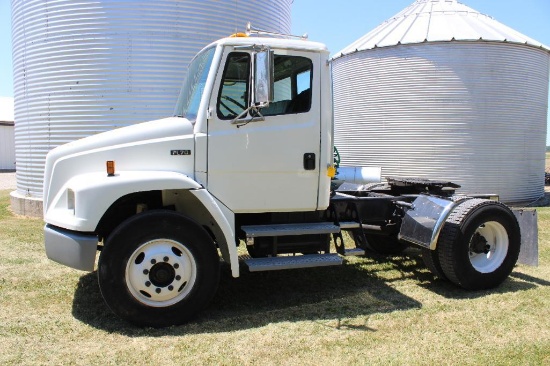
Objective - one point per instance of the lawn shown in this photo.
(372, 310)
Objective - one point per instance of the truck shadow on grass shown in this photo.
(411, 266)
(330, 295)
(254, 300)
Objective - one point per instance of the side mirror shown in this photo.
(262, 87)
(263, 78)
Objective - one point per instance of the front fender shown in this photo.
(82, 201)
(225, 223)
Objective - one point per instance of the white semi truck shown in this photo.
(248, 158)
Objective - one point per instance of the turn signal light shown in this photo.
(110, 168)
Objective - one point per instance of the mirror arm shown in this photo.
(243, 113)
(241, 122)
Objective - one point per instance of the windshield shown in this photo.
(193, 86)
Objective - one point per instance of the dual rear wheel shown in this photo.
(478, 246)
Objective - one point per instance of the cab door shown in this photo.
(270, 165)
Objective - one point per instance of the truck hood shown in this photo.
(145, 146)
(167, 127)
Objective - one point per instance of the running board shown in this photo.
(355, 252)
(256, 231)
(292, 262)
(349, 225)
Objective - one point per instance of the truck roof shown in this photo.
(273, 42)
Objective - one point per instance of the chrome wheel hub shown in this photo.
(161, 272)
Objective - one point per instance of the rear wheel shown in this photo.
(158, 269)
(479, 244)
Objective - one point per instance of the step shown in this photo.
(354, 252)
(256, 231)
(347, 225)
(292, 262)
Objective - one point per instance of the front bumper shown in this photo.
(73, 249)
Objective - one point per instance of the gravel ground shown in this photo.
(7, 180)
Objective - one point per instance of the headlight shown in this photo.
(70, 200)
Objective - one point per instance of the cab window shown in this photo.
(193, 86)
(233, 97)
(292, 86)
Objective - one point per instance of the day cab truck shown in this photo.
(248, 158)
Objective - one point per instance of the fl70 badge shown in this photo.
(180, 152)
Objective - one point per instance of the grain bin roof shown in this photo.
(438, 21)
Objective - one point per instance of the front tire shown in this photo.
(479, 244)
(158, 269)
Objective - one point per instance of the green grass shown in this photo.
(369, 311)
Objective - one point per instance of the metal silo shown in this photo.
(83, 67)
(442, 91)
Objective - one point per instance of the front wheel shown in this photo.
(479, 244)
(158, 269)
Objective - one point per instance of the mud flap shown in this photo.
(424, 221)
(528, 224)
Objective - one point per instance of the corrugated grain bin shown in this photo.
(83, 67)
(442, 91)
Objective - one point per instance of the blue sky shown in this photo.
(339, 23)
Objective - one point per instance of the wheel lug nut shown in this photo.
(158, 290)
(165, 259)
(145, 271)
(176, 266)
(147, 283)
(178, 277)
(170, 288)
(153, 261)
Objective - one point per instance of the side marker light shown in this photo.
(331, 171)
(110, 168)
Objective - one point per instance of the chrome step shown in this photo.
(346, 225)
(256, 231)
(354, 252)
(292, 262)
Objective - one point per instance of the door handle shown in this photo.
(309, 161)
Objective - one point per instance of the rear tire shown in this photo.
(158, 269)
(431, 260)
(479, 244)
